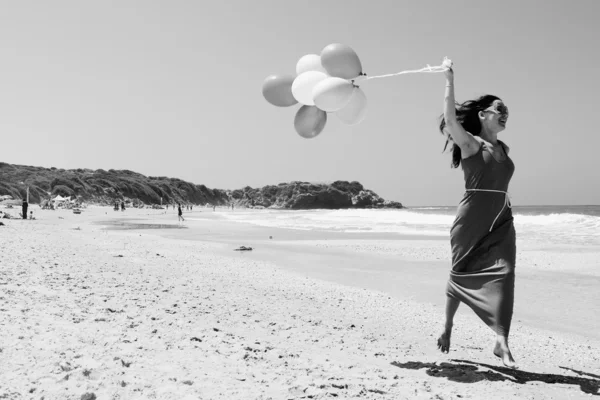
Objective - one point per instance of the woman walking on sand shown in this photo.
(482, 236)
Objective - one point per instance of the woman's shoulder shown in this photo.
(504, 146)
(480, 140)
(488, 146)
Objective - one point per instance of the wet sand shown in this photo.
(556, 287)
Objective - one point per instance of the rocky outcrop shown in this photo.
(106, 187)
(305, 195)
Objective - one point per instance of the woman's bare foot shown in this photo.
(502, 351)
(443, 342)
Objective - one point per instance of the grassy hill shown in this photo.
(105, 187)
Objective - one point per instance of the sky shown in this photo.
(173, 88)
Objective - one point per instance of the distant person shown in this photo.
(191, 206)
(482, 236)
(180, 212)
(24, 208)
(122, 206)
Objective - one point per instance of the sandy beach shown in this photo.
(93, 309)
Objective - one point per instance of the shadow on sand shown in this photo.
(468, 372)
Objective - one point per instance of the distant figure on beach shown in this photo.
(122, 206)
(191, 206)
(180, 212)
(482, 236)
(24, 208)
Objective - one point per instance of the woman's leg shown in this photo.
(502, 329)
(444, 339)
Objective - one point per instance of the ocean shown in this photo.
(553, 225)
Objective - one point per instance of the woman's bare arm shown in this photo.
(463, 139)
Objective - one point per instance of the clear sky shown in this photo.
(173, 88)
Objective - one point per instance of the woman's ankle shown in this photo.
(502, 340)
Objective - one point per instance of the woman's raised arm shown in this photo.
(463, 139)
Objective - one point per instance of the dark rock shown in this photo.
(392, 204)
(305, 195)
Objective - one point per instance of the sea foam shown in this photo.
(553, 227)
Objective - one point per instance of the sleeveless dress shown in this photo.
(483, 241)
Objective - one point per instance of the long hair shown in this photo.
(467, 116)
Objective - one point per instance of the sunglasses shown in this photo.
(499, 109)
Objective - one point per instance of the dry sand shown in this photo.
(144, 314)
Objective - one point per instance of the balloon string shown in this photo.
(427, 69)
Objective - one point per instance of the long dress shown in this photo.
(483, 242)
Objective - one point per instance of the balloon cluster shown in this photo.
(323, 84)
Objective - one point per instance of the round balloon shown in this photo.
(309, 62)
(341, 61)
(303, 86)
(356, 109)
(309, 121)
(332, 94)
(277, 90)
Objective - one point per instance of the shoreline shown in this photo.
(386, 262)
(133, 314)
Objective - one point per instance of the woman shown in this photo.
(482, 235)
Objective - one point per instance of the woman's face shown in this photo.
(495, 116)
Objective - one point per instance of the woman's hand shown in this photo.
(449, 73)
(447, 63)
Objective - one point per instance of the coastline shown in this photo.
(176, 313)
(413, 266)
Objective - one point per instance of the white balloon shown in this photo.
(356, 109)
(309, 62)
(303, 86)
(332, 94)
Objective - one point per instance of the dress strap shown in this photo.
(506, 201)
